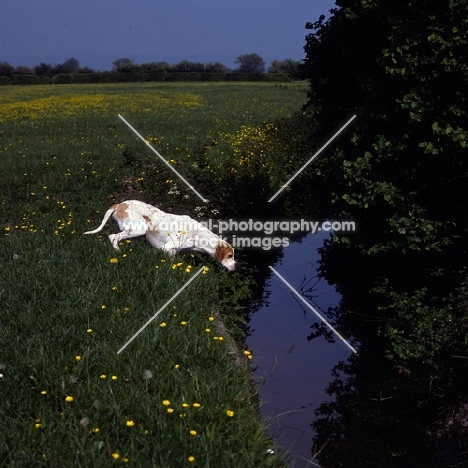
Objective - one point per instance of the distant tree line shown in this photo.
(70, 65)
(125, 69)
(248, 63)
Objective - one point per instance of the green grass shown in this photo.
(67, 309)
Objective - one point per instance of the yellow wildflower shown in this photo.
(248, 354)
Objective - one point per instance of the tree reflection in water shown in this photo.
(374, 419)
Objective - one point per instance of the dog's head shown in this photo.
(224, 253)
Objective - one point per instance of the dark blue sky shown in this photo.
(97, 32)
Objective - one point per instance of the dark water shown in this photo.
(293, 372)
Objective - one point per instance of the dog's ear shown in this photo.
(223, 250)
(220, 251)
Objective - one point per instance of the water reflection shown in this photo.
(294, 371)
(373, 419)
(353, 410)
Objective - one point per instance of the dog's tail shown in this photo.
(108, 214)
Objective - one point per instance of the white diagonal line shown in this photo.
(165, 162)
(311, 159)
(313, 310)
(160, 310)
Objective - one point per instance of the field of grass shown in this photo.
(175, 396)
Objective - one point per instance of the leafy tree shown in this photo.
(250, 63)
(122, 65)
(21, 70)
(187, 66)
(215, 67)
(59, 69)
(401, 171)
(84, 70)
(289, 66)
(44, 69)
(71, 64)
(155, 67)
(6, 69)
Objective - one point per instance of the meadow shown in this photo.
(178, 394)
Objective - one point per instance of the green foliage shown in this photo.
(6, 69)
(186, 66)
(419, 318)
(44, 69)
(401, 170)
(135, 77)
(123, 65)
(289, 66)
(26, 79)
(21, 70)
(63, 78)
(250, 63)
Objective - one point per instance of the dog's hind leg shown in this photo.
(126, 234)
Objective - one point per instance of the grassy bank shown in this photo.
(174, 396)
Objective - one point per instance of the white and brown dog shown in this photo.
(169, 232)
